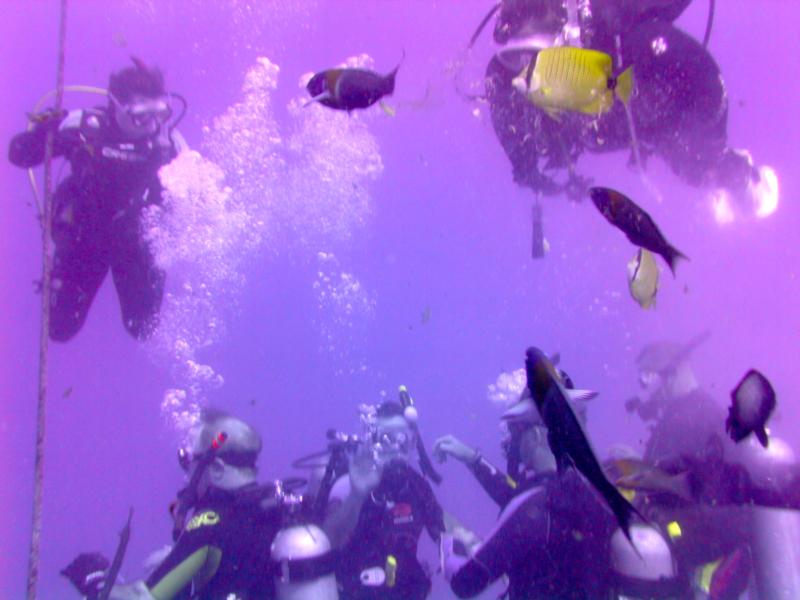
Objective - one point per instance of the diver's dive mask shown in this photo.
(142, 116)
(392, 442)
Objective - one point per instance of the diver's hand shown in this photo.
(48, 118)
(365, 472)
(449, 445)
(87, 573)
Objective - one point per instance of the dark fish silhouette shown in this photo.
(635, 223)
(349, 89)
(566, 438)
(752, 403)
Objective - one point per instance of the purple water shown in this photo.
(430, 283)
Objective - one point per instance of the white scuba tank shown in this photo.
(303, 556)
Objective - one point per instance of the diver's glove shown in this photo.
(365, 471)
(87, 573)
(50, 118)
(449, 445)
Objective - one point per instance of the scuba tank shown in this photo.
(301, 554)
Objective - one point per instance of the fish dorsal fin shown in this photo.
(581, 395)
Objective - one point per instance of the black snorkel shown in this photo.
(188, 496)
(709, 22)
(176, 121)
(410, 414)
(483, 23)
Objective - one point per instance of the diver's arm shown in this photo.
(195, 556)
(523, 524)
(26, 149)
(344, 508)
(348, 494)
(497, 484)
(500, 487)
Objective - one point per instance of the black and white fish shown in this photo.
(752, 403)
(566, 437)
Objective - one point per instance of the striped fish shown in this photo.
(574, 79)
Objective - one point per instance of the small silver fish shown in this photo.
(752, 403)
(643, 278)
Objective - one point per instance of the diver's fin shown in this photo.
(323, 96)
(761, 434)
(581, 395)
(624, 85)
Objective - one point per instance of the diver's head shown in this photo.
(525, 443)
(138, 100)
(225, 448)
(523, 18)
(393, 435)
(664, 369)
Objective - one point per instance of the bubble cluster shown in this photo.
(281, 189)
(345, 309)
(508, 387)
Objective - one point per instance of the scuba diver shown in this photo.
(679, 111)
(376, 528)
(554, 538)
(225, 523)
(114, 153)
(720, 501)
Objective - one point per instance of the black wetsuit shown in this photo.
(389, 525)
(224, 551)
(96, 218)
(551, 539)
(680, 108)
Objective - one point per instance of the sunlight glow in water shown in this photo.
(766, 192)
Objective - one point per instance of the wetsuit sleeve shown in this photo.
(195, 557)
(521, 531)
(26, 149)
(500, 487)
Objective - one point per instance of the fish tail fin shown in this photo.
(624, 511)
(761, 434)
(674, 255)
(624, 85)
(389, 79)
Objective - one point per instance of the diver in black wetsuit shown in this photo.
(679, 111)
(114, 153)
(378, 528)
(725, 542)
(223, 547)
(554, 538)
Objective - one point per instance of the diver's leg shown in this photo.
(680, 107)
(681, 110)
(519, 128)
(79, 262)
(139, 282)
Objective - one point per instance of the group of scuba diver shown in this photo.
(695, 516)
(551, 95)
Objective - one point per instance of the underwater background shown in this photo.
(317, 260)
